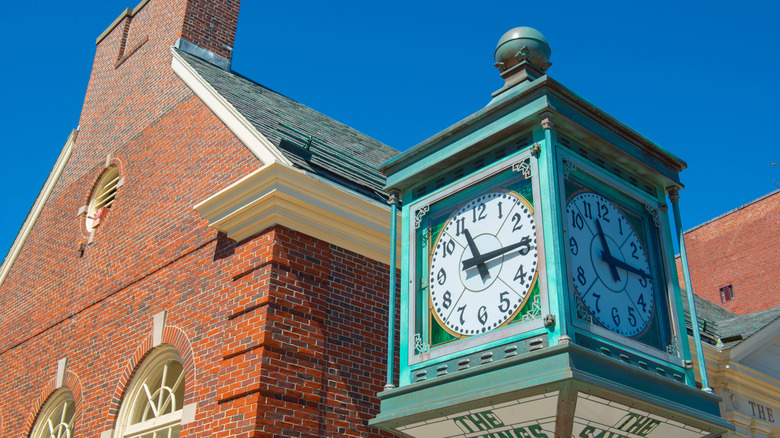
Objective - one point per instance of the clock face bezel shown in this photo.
(629, 200)
(449, 200)
(501, 290)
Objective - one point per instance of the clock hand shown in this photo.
(525, 241)
(606, 253)
(483, 270)
(621, 264)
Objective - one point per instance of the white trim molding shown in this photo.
(37, 207)
(279, 194)
(256, 142)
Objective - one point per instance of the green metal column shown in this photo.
(674, 196)
(553, 230)
(393, 201)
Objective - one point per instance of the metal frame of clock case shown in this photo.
(494, 337)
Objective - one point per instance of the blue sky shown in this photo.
(700, 78)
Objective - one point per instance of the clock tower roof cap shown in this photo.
(522, 44)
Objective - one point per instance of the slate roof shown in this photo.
(336, 152)
(720, 326)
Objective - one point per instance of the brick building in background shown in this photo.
(207, 257)
(734, 258)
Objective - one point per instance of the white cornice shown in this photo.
(279, 194)
(256, 142)
(37, 207)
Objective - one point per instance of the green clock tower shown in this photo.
(538, 290)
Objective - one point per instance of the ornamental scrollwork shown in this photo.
(419, 214)
(420, 346)
(524, 167)
(653, 214)
(673, 348)
(536, 309)
(568, 168)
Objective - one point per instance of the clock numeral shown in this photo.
(462, 309)
(602, 211)
(616, 316)
(520, 275)
(581, 276)
(598, 297)
(620, 225)
(482, 315)
(641, 302)
(631, 317)
(500, 214)
(576, 220)
(575, 249)
(441, 277)
(460, 225)
(447, 248)
(447, 301)
(516, 219)
(633, 253)
(481, 207)
(525, 245)
(504, 306)
(588, 214)
(642, 281)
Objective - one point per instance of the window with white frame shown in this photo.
(56, 417)
(152, 406)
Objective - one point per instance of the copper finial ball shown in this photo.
(522, 44)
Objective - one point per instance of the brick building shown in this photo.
(206, 258)
(734, 259)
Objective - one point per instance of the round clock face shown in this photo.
(609, 265)
(483, 263)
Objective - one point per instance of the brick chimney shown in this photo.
(205, 26)
(132, 84)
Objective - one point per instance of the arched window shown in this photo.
(56, 417)
(152, 406)
(102, 198)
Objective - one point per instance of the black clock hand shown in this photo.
(525, 241)
(621, 264)
(606, 253)
(483, 270)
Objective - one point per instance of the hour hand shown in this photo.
(481, 267)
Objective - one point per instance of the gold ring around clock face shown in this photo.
(483, 264)
(609, 266)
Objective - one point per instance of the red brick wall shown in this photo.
(285, 333)
(742, 249)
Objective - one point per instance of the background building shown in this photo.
(207, 257)
(735, 258)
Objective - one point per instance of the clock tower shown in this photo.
(538, 286)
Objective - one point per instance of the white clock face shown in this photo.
(609, 266)
(483, 264)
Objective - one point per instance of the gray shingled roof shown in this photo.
(718, 324)
(337, 152)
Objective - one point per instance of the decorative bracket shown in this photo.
(568, 168)
(419, 214)
(536, 148)
(654, 214)
(420, 346)
(524, 167)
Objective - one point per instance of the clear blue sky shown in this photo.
(700, 78)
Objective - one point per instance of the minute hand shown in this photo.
(621, 264)
(525, 241)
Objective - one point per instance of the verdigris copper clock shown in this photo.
(614, 264)
(476, 257)
(610, 269)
